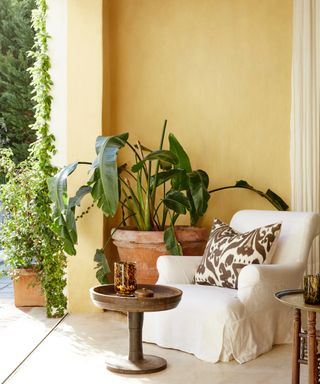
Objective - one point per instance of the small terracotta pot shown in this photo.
(27, 289)
(144, 248)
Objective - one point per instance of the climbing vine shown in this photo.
(53, 258)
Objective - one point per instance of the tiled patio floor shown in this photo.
(34, 349)
(38, 350)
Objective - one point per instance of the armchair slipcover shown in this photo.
(220, 324)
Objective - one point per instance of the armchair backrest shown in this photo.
(297, 231)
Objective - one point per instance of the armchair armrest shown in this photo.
(258, 282)
(177, 269)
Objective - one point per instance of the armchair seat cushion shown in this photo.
(210, 322)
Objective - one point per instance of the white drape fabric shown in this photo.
(305, 113)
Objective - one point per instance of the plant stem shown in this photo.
(84, 162)
(147, 212)
(154, 188)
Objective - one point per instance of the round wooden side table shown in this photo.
(164, 298)
(294, 299)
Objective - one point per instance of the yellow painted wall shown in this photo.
(219, 71)
(84, 112)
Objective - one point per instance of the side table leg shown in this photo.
(135, 322)
(312, 349)
(137, 362)
(296, 347)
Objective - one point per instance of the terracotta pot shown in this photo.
(27, 289)
(144, 247)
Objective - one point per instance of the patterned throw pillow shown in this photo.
(228, 251)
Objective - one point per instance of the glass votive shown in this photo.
(311, 289)
(125, 278)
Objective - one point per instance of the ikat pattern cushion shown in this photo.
(228, 251)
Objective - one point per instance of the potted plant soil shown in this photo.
(151, 193)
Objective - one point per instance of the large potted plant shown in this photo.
(151, 193)
(21, 253)
(32, 252)
(19, 237)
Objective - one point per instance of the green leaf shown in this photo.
(172, 244)
(81, 192)
(105, 188)
(276, 200)
(180, 182)
(101, 276)
(243, 184)
(63, 214)
(163, 177)
(121, 139)
(63, 232)
(198, 183)
(177, 149)
(102, 267)
(71, 225)
(161, 155)
(272, 197)
(165, 166)
(177, 201)
(194, 217)
(58, 186)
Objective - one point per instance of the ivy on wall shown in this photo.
(53, 258)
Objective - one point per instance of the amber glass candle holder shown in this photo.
(311, 289)
(125, 278)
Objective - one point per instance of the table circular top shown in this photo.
(294, 298)
(164, 298)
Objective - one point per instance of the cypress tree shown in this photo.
(16, 104)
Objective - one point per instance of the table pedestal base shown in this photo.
(148, 364)
(164, 298)
(137, 362)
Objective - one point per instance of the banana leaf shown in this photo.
(58, 187)
(105, 188)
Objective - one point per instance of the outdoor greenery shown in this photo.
(160, 186)
(26, 234)
(16, 104)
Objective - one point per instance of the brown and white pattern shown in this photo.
(228, 251)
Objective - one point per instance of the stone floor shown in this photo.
(34, 349)
(6, 288)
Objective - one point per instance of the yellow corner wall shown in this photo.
(219, 71)
(84, 110)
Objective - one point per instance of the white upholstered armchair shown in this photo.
(219, 324)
